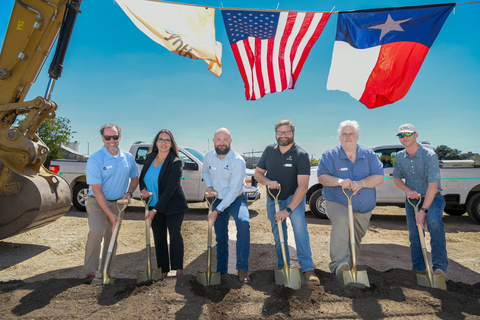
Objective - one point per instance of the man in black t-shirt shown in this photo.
(288, 165)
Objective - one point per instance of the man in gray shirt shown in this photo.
(419, 167)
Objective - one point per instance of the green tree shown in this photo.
(446, 153)
(55, 133)
(314, 162)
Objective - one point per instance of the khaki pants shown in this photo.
(99, 227)
(340, 234)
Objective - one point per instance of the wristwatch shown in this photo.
(131, 194)
(217, 211)
(424, 210)
(288, 209)
(155, 210)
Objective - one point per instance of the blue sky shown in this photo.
(115, 73)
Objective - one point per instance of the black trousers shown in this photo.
(168, 259)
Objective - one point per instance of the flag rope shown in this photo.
(268, 10)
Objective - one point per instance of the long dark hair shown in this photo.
(173, 146)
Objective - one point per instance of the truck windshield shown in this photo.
(195, 153)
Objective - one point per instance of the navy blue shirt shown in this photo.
(335, 162)
(285, 167)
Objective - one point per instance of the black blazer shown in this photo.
(171, 199)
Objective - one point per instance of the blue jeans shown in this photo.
(239, 210)
(434, 224)
(300, 232)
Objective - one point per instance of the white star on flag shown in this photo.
(389, 25)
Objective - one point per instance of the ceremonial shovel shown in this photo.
(208, 277)
(289, 277)
(150, 274)
(430, 279)
(105, 279)
(353, 275)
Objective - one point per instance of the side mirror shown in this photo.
(191, 166)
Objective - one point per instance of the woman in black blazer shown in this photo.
(161, 175)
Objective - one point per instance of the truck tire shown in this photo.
(79, 198)
(317, 205)
(473, 208)
(455, 212)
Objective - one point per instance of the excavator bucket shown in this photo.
(30, 201)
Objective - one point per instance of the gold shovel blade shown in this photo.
(209, 278)
(289, 277)
(438, 281)
(356, 277)
(103, 281)
(143, 276)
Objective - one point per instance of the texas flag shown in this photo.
(378, 53)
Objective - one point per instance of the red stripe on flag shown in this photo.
(241, 68)
(283, 43)
(271, 76)
(310, 43)
(397, 66)
(258, 66)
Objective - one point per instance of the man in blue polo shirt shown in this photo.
(287, 164)
(356, 169)
(419, 167)
(109, 172)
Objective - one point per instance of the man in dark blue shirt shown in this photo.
(356, 169)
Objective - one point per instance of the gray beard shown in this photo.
(222, 152)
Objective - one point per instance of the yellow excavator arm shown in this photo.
(30, 195)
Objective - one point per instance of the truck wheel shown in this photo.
(80, 194)
(317, 205)
(455, 212)
(473, 208)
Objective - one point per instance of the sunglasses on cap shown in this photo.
(115, 137)
(408, 134)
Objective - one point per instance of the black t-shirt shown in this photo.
(284, 168)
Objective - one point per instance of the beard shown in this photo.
(222, 150)
(288, 141)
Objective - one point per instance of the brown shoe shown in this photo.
(90, 275)
(243, 276)
(311, 277)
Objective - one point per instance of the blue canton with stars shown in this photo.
(243, 24)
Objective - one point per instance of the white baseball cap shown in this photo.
(407, 127)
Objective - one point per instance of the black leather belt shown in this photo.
(106, 199)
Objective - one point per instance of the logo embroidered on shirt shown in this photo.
(342, 169)
(290, 158)
(226, 167)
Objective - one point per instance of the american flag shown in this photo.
(271, 46)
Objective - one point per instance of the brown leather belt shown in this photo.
(241, 194)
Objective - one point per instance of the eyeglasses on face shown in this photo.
(115, 137)
(284, 133)
(167, 141)
(407, 134)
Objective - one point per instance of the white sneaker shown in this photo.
(439, 271)
(342, 266)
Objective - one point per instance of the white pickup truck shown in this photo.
(192, 183)
(460, 181)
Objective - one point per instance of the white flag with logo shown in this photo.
(186, 30)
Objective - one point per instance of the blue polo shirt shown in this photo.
(335, 162)
(419, 170)
(114, 173)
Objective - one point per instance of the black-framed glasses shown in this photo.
(407, 134)
(284, 133)
(115, 137)
(167, 141)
